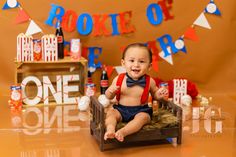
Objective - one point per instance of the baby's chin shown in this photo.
(135, 76)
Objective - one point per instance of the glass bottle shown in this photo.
(60, 41)
(104, 82)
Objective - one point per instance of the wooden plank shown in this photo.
(65, 60)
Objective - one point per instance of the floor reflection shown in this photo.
(50, 131)
(62, 131)
(205, 119)
(36, 120)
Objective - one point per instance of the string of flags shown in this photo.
(22, 17)
(165, 54)
(189, 34)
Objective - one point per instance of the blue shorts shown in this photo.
(128, 112)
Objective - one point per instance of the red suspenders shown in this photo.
(145, 94)
(119, 83)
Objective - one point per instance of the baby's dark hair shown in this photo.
(138, 45)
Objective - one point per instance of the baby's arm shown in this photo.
(157, 93)
(111, 91)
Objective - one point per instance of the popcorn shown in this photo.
(24, 48)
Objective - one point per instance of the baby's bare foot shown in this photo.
(119, 135)
(109, 134)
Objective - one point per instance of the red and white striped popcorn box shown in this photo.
(24, 48)
(180, 89)
(49, 48)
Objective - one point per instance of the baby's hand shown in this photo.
(113, 89)
(162, 93)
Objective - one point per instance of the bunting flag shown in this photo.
(202, 21)
(10, 4)
(22, 16)
(212, 8)
(109, 70)
(179, 44)
(33, 28)
(120, 69)
(155, 63)
(167, 58)
(191, 34)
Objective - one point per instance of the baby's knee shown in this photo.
(110, 112)
(143, 116)
(113, 113)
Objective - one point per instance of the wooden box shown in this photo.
(61, 67)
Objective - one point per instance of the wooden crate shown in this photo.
(39, 69)
(153, 135)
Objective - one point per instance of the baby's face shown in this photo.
(136, 62)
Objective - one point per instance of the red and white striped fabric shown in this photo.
(24, 48)
(180, 89)
(49, 48)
